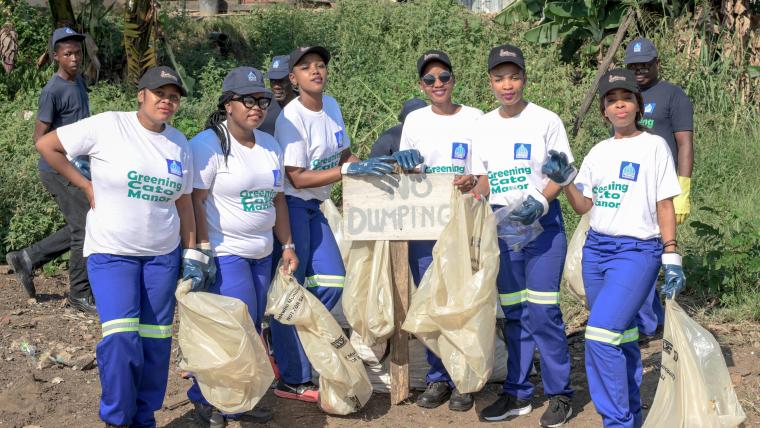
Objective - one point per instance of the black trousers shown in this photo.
(74, 206)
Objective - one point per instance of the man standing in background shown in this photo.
(387, 143)
(63, 101)
(282, 91)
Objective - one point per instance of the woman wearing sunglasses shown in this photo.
(238, 201)
(441, 135)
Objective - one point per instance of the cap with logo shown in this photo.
(298, 53)
(640, 50)
(618, 78)
(433, 56)
(64, 33)
(244, 81)
(280, 67)
(506, 54)
(159, 76)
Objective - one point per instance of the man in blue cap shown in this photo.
(668, 113)
(282, 91)
(63, 101)
(388, 142)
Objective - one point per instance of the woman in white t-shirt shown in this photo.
(627, 184)
(441, 135)
(238, 202)
(315, 144)
(511, 144)
(141, 211)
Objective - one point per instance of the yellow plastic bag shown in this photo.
(695, 388)
(222, 349)
(368, 291)
(453, 311)
(335, 221)
(573, 272)
(343, 383)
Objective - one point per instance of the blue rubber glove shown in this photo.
(194, 264)
(210, 272)
(408, 159)
(675, 280)
(557, 167)
(378, 166)
(533, 207)
(83, 166)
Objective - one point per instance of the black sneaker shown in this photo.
(436, 394)
(257, 415)
(505, 407)
(307, 392)
(83, 304)
(22, 266)
(558, 412)
(208, 416)
(460, 402)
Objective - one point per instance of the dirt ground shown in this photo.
(65, 394)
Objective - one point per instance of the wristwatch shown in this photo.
(288, 246)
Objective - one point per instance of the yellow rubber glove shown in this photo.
(681, 202)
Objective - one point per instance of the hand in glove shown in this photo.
(681, 202)
(83, 166)
(675, 280)
(533, 207)
(408, 159)
(194, 264)
(210, 272)
(378, 166)
(558, 168)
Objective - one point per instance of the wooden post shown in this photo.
(400, 339)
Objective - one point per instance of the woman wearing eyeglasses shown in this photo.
(441, 135)
(238, 201)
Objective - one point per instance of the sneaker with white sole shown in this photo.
(505, 407)
(557, 412)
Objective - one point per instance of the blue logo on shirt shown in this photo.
(276, 174)
(629, 171)
(174, 167)
(522, 151)
(649, 108)
(339, 138)
(459, 150)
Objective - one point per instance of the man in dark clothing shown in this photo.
(668, 113)
(63, 101)
(282, 91)
(387, 143)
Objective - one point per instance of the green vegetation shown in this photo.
(375, 46)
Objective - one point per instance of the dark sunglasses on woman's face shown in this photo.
(249, 101)
(429, 79)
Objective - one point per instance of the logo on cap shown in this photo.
(522, 151)
(167, 75)
(68, 30)
(505, 52)
(459, 151)
(614, 78)
(649, 108)
(637, 47)
(251, 76)
(430, 55)
(175, 167)
(276, 63)
(629, 170)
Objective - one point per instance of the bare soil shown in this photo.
(66, 393)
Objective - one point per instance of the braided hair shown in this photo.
(214, 122)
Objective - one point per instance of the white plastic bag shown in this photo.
(335, 221)
(222, 349)
(695, 388)
(573, 272)
(343, 384)
(514, 233)
(453, 311)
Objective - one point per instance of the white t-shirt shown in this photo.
(513, 150)
(137, 175)
(444, 141)
(311, 140)
(626, 178)
(239, 208)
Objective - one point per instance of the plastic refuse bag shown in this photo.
(343, 383)
(222, 349)
(514, 233)
(695, 388)
(335, 221)
(573, 273)
(453, 311)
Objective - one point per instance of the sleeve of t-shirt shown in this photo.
(204, 161)
(583, 179)
(46, 110)
(682, 112)
(556, 138)
(188, 170)
(406, 142)
(281, 181)
(292, 142)
(339, 119)
(81, 138)
(667, 180)
(479, 163)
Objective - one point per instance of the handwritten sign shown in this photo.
(396, 207)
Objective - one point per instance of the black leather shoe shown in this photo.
(22, 267)
(257, 415)
(208, 417)
(460, 402)
(83, 304)
(436, 394)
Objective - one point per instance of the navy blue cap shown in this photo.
(280, 67)
(409, 106)
(299, 53)
(618, 78)
(157, 77)
(244, 81)
(65, 33)
(431, 56)
(640, 50)
(506, 53)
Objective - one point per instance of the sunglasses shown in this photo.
(249, 101)
(429, 79)
(639, 68)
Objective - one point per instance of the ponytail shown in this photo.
(214, 122)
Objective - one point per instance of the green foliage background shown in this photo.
(374, 47)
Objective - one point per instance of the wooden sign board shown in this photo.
(403, 207)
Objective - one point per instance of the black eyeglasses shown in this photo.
(429, 79)
(641, 68)
(249, 101)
